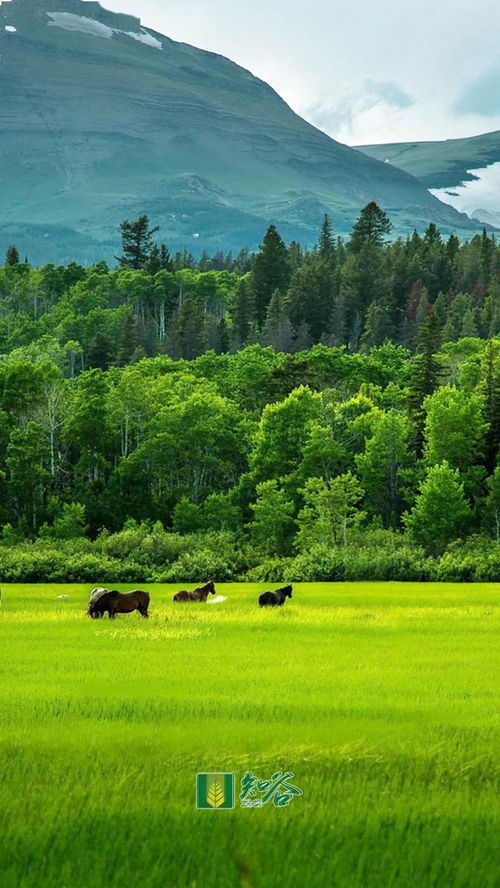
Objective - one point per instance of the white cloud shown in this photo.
(481, 193)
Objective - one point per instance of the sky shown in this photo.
(363, 71)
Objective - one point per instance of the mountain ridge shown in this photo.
(463, 172)
(104, 118)
(440, 163)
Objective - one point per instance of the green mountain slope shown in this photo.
(103, 119)
(440, 164)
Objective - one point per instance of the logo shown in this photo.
(215, 792)
(255, 793)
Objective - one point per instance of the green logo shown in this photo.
(255, 792)
(215, 792)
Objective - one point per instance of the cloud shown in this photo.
(482, 96)
(373, 99)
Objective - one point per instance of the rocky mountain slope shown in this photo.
(102, 118)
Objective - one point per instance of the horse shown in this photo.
(200, 594)
(118, 603)
(97, 593)
(275, 599)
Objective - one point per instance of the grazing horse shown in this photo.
(97, 593)
(118, 603)
(200, 594)
(275, 599)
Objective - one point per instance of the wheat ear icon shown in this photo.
(215, 794)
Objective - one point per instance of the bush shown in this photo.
(33, 564)
(199, 567)
(145, 553)
(318, 565)
(272, 571)
(408, 563)
(477, 561)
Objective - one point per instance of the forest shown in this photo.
(321, 414)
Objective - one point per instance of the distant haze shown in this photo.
(362, 71)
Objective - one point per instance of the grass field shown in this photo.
(383, 699)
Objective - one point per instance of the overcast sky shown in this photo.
(363, 71)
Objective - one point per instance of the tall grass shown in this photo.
(382, 698)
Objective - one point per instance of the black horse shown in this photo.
(275, 599)
(118, 603)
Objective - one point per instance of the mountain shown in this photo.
(103, 119)
(463, 172)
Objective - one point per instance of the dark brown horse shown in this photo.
(118, 603)
(200, 594)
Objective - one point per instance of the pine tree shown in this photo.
(243, 312)
(204, 263)
(277, 331)
(372, 227)
(100, 355)
(425, 374)
(12, 255)
(128, 340)
(417, 309)
(491, 391)
(191, 327)
(296, 255)
(158, 260)
(326, 243)
(137, 242)
(469, 325)
(271, 272)
(378, 327)
(311, 296)
(223, 336)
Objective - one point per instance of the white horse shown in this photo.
(96, 594)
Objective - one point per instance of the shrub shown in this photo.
(199, 566)
(272, 571)
(320, 564)
(32, 564)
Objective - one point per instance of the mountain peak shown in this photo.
(91, 11)
(103, 120)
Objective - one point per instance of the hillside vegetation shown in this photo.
(321, 449)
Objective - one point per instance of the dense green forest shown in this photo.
(332, 414)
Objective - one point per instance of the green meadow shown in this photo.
(381, 698)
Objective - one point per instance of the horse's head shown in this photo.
(96, 594)
(288, 591)
(211, 587)
(97, 606)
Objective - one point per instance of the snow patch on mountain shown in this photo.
(71, 22)
(144, 37)
(483, 191)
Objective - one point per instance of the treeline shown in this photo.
(381, 464)
(356, 294)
